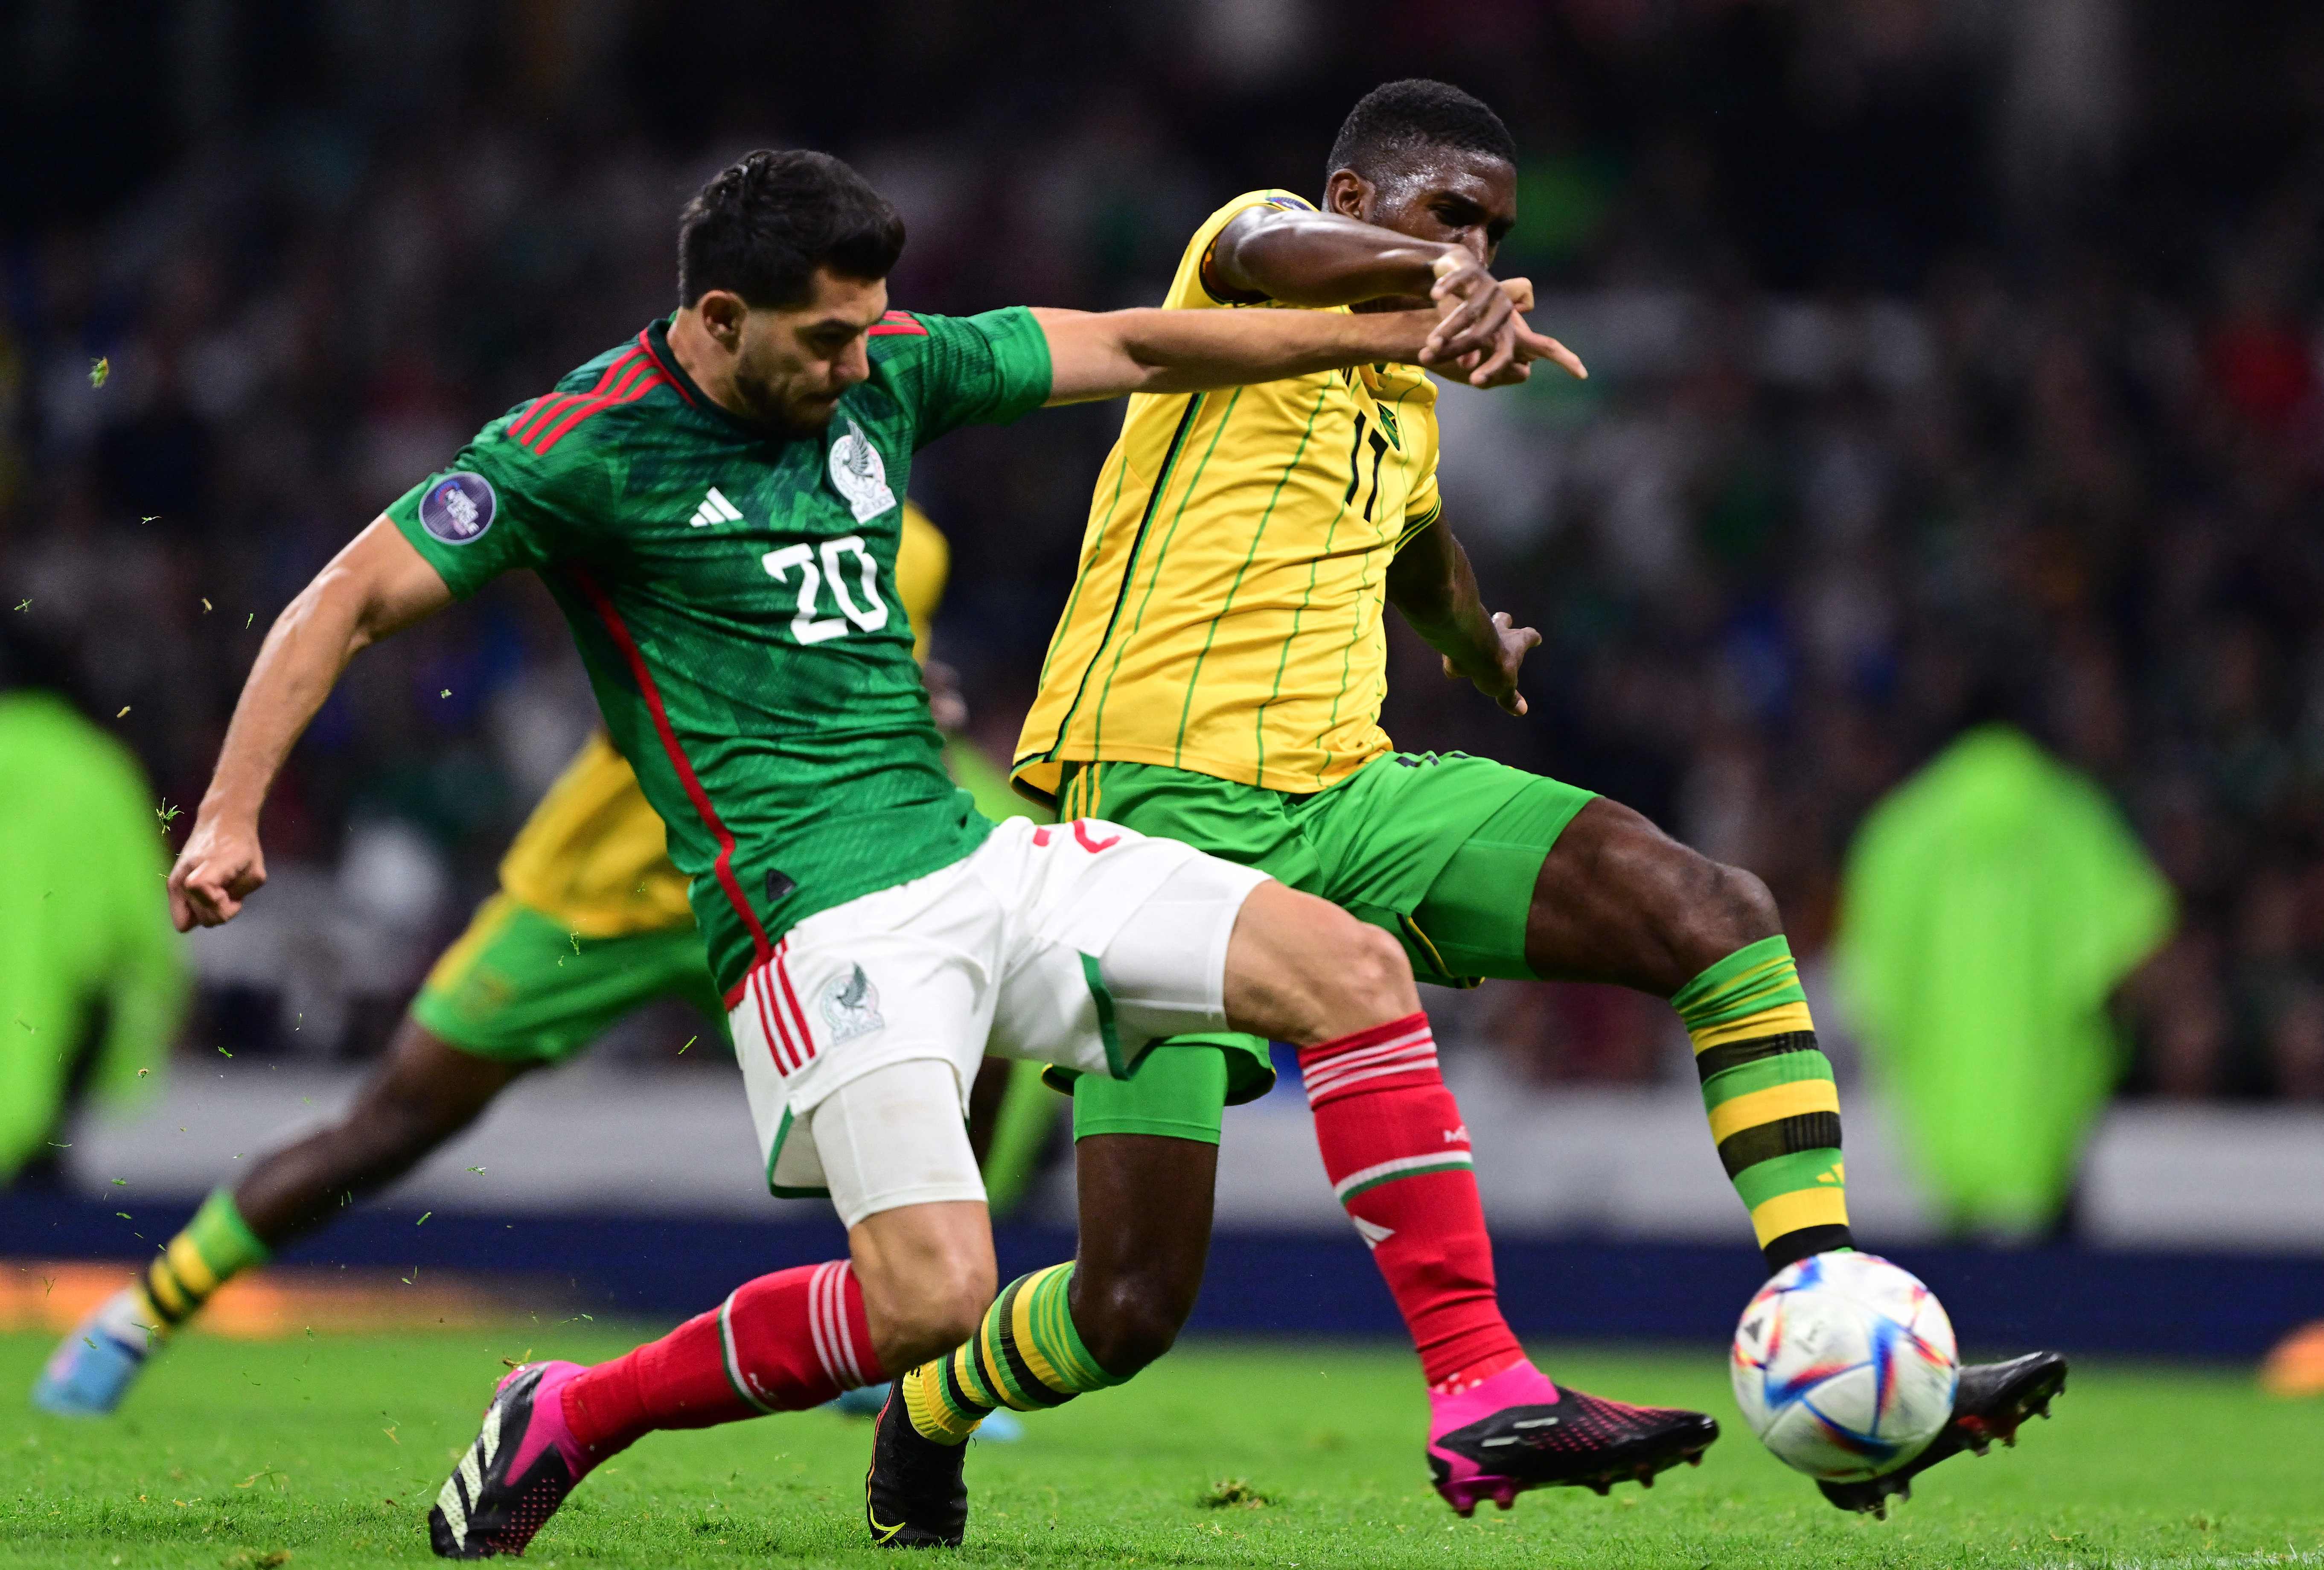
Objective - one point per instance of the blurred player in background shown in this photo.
(1991, 907)
(92, 983)
(1216, 678)
(591, 922)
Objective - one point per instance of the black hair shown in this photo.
(1397, 118)
(767, 221)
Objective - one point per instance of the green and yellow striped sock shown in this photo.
(216, 1246)
(1774, 1110)
(1026, 1355)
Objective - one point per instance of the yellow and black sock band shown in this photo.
(1776, 1097)
(216, 1246)
(1771, 1099)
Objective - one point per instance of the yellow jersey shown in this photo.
(1227, 615)
(594, 856)
(922, 563)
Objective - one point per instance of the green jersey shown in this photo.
(92, 981)
(733, 596)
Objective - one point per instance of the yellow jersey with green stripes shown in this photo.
(1227, 615)
(594, 855)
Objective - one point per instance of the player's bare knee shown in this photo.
(1736, 908)
(1368, 981)
(1126, 1323)
(1698, 910)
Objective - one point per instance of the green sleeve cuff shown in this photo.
(1020, 349)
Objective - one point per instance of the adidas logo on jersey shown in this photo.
(714, 508)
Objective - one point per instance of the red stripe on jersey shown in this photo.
(678, 762)
(543, 410)
(612, 369)
(635, 382)
(641, 380)
(897, 322)
(798, 1015)
(531, 410)
(647, 344)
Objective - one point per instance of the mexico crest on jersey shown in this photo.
(851, 1005)
(859, 476)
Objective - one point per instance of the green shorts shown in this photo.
(517, 987)
(1440, 849)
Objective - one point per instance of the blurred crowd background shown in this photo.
(1951, 359)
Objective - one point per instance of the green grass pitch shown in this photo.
(330, 1448)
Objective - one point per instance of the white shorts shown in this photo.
(1077, 944)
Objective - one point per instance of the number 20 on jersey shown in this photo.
(816, 566)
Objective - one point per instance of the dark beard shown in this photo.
(778, 422)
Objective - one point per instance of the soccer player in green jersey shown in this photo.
(590, 921)
(715, 506)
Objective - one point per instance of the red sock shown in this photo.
(1397, 1155)
(780, 1343)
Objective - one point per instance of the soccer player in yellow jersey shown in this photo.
(590, 922)
(1216, 678)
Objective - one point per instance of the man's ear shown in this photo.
(1347, 193)
(722, 311)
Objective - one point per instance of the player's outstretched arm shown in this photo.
(1305, 258)
(377, 585)
(1300, 257)
(1108, 353)
(1433, 585)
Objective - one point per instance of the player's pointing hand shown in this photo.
(1533, 346)
(1475, 311)
(1509, 357)
(221, 866)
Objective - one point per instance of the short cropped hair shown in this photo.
(767, 221)
(1400, 118)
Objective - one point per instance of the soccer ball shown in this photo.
(1844, 1366)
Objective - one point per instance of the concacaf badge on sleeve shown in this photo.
(458, 508)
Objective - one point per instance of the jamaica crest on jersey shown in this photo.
(859, 474)
(851, 1005)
